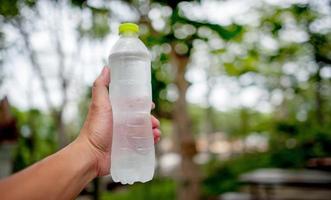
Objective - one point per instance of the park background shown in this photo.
(238, 86)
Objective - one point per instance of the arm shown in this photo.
(60, 176)
(64, 174)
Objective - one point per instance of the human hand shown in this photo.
(97, 130)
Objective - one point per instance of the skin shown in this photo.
(64, 174)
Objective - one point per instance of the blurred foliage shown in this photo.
(158, 188)
(284, 152)
(12, 8)
(37, 138)
(9, 8)
(99, 27)
(223, 176)
(297, 129)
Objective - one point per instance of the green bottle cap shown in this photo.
(128, 28)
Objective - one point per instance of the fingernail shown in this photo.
(104, 71)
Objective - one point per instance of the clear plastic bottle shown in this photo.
(133, 154)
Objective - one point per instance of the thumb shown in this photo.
(100, 96)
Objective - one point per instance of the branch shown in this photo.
(34, 61)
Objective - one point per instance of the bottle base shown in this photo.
(128, 176)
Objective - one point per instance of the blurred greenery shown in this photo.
(162, 189)
(223, 176)
(37, 138)
(284, 51)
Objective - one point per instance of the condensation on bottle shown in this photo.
(133, 154)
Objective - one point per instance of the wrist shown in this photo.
(86, 156)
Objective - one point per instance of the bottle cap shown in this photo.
(128, 28)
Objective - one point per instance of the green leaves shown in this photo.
(9, 8)
(79, 3)
(225, 32)
(37, 139)
(241, 67)
(99, 28)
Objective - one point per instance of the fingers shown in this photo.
(155, 122)
(100, 97)
(156, 130)
(157, 135)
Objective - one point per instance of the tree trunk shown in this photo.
(318, 97)
(208, 115)
(60, 129)
(189, 187)
(32, 54)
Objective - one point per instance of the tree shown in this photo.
(22, 15)
(178, 56)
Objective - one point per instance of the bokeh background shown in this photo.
(242, 89)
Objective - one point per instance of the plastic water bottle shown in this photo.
(133, 154)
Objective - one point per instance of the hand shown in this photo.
(98, 126)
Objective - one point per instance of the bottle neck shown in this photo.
(129, 34)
